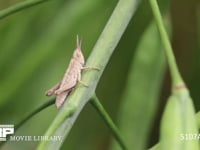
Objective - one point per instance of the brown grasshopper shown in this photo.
(72, 75)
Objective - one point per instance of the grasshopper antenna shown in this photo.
(78, 42)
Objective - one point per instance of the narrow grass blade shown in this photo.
(18, 7)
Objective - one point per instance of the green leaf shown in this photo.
(140, 96)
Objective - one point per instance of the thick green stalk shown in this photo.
(176, 77)
(17, 7)
(99, 58)
(115, 131)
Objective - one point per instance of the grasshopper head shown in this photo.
(78, 55)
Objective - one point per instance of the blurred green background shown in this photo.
(36, 45)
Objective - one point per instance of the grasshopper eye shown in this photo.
(78, 54)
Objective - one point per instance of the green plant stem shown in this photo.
(20, 6)
(176, 77)
(115, 131)
(29, 116)
(99, 57)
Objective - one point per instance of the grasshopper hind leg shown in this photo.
(53, 89)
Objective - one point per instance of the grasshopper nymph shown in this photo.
(72, 75)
